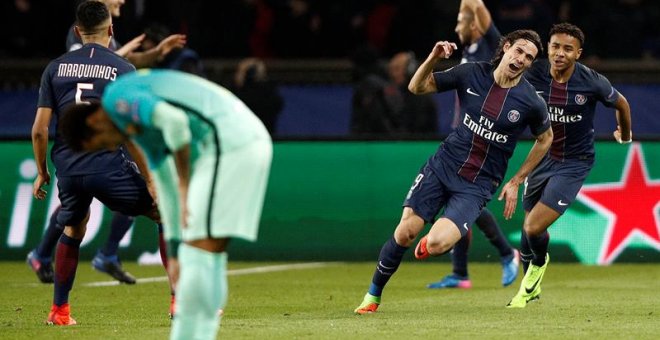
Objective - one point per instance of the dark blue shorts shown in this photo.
(555, 184)
(462, 200)
(123, 190)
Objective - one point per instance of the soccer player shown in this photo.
(78, 77)
(461, 177)
(106, 259)
(571, 91)
(477, 32)
(210, 158)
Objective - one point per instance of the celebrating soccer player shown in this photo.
(571, 91)
(78, 77)
(480, 37)
(461, 177)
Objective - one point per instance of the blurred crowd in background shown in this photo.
(287, 29)
(384, 40)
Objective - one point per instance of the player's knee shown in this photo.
(438, 245)
(532, 229)
(404, 237)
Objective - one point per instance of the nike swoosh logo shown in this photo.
(380, 263)
(469, 90)
(530, 290)
(562, 203)
(539, 92)
(465, 226)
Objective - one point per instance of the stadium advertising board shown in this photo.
(341, 200)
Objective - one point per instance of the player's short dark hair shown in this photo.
(91, 14)
(514, 36)
(569, 29)
(72, 126)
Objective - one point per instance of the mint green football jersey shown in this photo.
(215, 114)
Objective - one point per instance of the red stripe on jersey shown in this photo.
(91, 53)
(557, 151)
(491, 109)
(558, 96)
(476, 158)
(558, 93)
(494, 102)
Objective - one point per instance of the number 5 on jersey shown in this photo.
(79, 88)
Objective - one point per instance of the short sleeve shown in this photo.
(451, 78)
(45, 89)
(605, 92)
(539, 120)
(129, 104)
(174, 125)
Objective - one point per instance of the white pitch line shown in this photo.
(231, 272)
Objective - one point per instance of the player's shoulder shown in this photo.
(539, 69)
(529, 91)
(587, 74)
(480, 67)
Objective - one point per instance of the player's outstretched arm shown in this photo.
(422, 81)
(510, 189)
(40, 150)
(623, 133)
(131, 46)
(151, 57)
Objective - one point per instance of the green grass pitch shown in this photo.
(616, 302)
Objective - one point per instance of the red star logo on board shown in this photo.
(632, 207)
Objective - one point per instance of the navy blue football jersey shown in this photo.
(482, 49)
(73, 41)
(77, 77)
(571, 106)
(491, 120)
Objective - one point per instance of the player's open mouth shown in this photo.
(514, 68)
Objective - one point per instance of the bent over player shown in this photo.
(210, 158)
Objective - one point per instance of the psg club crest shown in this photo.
(580, 99)
(513, 116)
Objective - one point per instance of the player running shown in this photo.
(461, 177)
(480, 37)
(571, 91)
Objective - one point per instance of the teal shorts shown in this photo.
(225, 198)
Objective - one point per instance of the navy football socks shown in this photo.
(488, 224)
(50, 237)
(539, 246)
(459, 257)
(526, 254)
(388, 262)
(118, 227)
